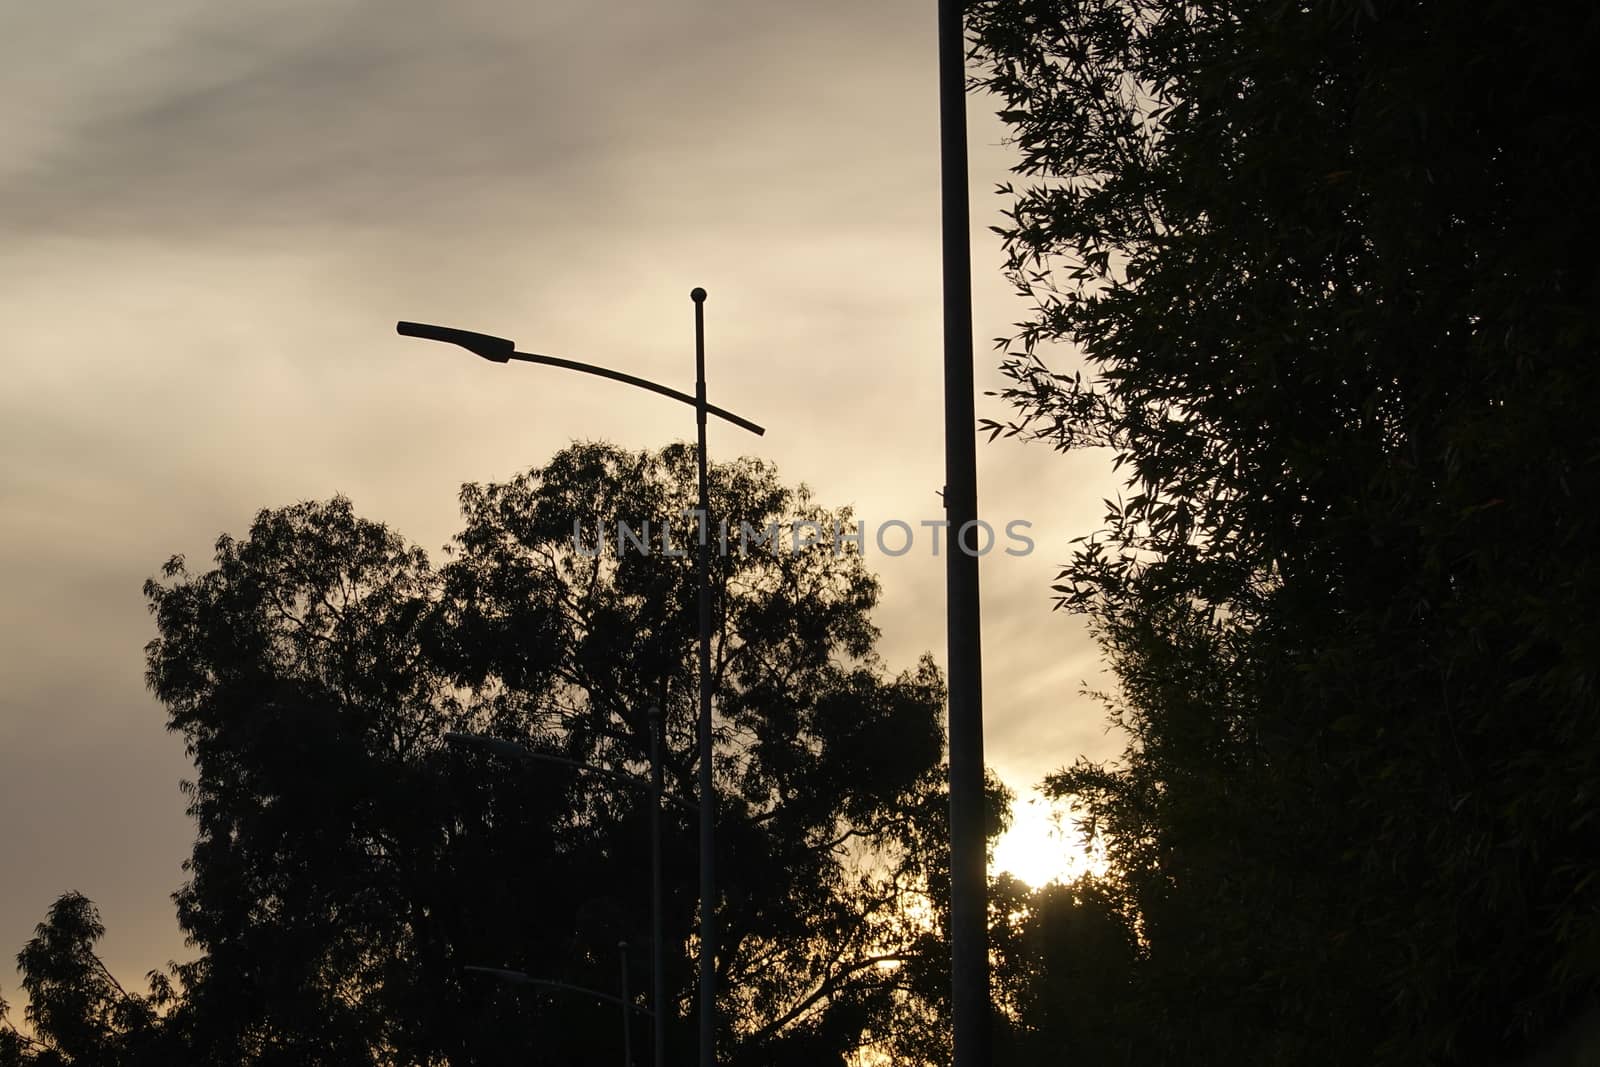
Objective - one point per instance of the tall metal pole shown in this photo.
(708, 799)
(627, 1014)
(969, 931)
(658, 992)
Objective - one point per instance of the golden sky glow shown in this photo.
(1042, 845)
(214, 214)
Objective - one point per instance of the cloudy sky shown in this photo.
(211, 216)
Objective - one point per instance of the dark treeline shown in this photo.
(1331, 267)
(1331, 271)
(350, 864)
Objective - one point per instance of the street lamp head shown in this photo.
(504, 975)
(488, 744)
(494, 349)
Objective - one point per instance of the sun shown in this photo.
(1042, 845)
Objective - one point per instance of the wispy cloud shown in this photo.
(212, 214)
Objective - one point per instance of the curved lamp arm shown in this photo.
(518, 978)
(515, 751)
(501, 350)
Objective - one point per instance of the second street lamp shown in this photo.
(502, 350)
(522, 978)
(513, 750)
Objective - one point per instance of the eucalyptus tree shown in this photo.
(78, 1013)
(349, 865)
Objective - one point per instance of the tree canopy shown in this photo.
(350, 865)
(78, 1012)
(1329, 267)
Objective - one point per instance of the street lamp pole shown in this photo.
(627, 1014)
(969, 929)
(658, 974)
(708, 796)
(502, 350)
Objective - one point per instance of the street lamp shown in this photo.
(655, 785)
(502, 350)
(511, 977)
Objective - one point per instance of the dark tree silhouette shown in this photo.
(79, 1013)
(1331, 267)
(1065, 958)
(349, 865)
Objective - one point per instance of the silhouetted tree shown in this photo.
(1331, 266)
(15, 1048)
(349, 864)
(79, 1013)
(1065, 975)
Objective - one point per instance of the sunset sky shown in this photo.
(213, 214)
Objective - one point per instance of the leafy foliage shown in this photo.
(350, 864)
(79, 1013)
(1330, 268)
(1066, 959)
